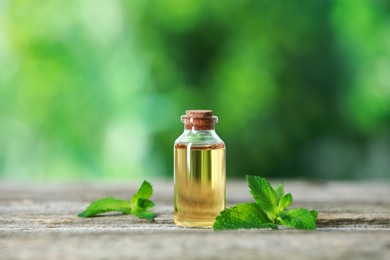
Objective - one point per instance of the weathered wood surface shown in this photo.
(39, 221)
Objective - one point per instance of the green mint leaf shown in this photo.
(243, 216)
(145, 204)
(105, 205)
(264, 195)
(299, 219)
(285, 202)
(141, 210)
(144, 214)
(279, 192)
(140, 202)
(269, 211)
(144, 192)
(138, 205)
(314, 214)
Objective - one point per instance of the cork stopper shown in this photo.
(199, 120)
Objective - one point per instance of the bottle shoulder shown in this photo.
(199, 138)
(195, 146)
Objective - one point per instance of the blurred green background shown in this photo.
(94, 89)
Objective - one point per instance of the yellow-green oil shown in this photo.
(200, 184)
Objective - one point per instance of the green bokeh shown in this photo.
(95, 89)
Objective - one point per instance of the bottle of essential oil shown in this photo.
(200, 172)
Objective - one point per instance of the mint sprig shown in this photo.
(268, 211)
(248, 215)
(139, 204)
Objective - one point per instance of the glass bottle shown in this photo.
(199, 171)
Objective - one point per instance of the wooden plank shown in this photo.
(39, 221)
(198, 245)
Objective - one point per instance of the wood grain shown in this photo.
(38, 221)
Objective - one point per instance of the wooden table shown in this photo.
(38, 221)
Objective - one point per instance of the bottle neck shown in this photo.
(196, 127)
(199, 137)
(199, 128)
(196, 131)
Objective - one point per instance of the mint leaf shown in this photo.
(279, 192)
(299, 218)
(145, 204)
(139, 204)
(144, 214)
(285, 202)
(243, 216)
(269, 211)
(314, 214)
(141, 210)
(106, 205)
(264, 194)
(144, 192)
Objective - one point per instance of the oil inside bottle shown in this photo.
(200, 178)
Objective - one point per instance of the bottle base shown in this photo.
(194, 224)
